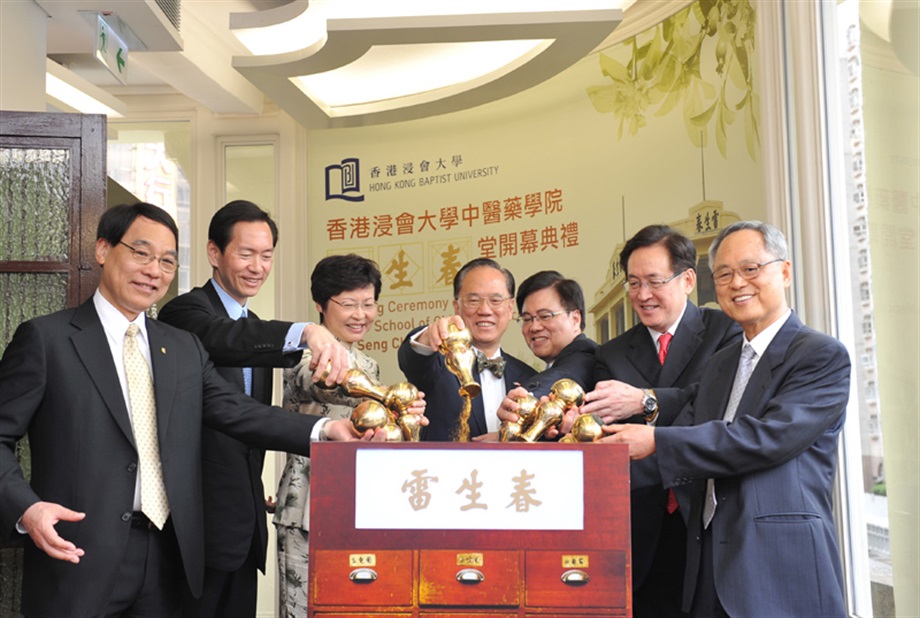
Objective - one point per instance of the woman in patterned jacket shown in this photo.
(345, 289)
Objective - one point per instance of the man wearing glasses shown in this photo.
(483, 303)
(552, 319)
(753, 457)
(641, 377)
(241, 249)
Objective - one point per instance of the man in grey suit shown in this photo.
(753, 456)
(114, 506)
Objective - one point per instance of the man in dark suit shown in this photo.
(483, 295)
(753, 457)
(241, 247)
(552, 319)
(113, 404)
(640, 381)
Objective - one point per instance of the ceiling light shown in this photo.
(395, 71)
(334, 63)
(70, 92)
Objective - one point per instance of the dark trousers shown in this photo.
(151, 577)
(661, 594)
(227, 594)
(706, 602)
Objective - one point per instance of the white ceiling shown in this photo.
(205, 61)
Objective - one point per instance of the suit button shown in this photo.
(126, 517)
(132, 467)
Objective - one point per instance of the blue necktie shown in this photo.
(247, 371)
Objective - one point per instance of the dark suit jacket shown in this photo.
(430, 375)
(576, 361)
(633, 359)
(58, 383)
(774, 543)
(234, 501)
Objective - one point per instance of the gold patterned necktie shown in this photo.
(144, 423)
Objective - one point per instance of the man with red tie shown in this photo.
(643, 377)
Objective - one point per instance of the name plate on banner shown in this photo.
(422, 489)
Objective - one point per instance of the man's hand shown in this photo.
(613, 401)
(418, 407)
(437, 331)
(327, 352)
(508, 410)
(341, 430)
(640, 438)
(39, 521)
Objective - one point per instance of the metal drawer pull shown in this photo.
(575, 577)
(470, 576)
(363, 576)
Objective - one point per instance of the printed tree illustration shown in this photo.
(664, 71)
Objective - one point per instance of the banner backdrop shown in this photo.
(661, 128)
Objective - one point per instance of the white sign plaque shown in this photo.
(433, 489)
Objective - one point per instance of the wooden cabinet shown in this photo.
(429, 572)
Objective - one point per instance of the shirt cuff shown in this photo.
(420, 348)
(294, 336)
(318, 434)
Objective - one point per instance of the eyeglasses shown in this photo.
(635, 284)
(168, 264)
(474, 301)
(351, 306)
(725, 275)
(540, 316)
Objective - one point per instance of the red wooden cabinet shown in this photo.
(427, 572)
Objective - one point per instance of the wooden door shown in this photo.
(52, 193)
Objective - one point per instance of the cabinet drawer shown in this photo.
(362, 578)
(594, 579)
(469, 578)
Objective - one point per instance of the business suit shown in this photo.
(58, 382)
(430, 375)
(576, 361)
(234, 500)
(774, 545)
(658, 538)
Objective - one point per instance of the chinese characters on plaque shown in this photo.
(469, 489)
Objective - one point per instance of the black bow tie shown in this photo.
(495, 365)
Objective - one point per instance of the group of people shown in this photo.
(731, 418)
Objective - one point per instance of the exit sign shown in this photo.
(111, 50)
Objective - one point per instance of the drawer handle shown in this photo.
(575, 577)
(363, 576)
(470, 576)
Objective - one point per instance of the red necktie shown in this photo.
(664, 341)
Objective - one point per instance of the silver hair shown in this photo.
(773, 239)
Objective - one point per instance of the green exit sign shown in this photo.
(111, 50)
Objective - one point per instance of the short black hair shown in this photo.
(480, 263)
(220, 231)
(679, 247)
(335, 274)
(116, 220)
(569, 291)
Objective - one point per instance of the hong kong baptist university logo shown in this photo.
(343, 181)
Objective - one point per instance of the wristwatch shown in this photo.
(322, 437)
(649, 405)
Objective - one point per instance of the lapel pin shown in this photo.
(163, 350)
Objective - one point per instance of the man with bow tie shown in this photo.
(552, 319)
(483, 304)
